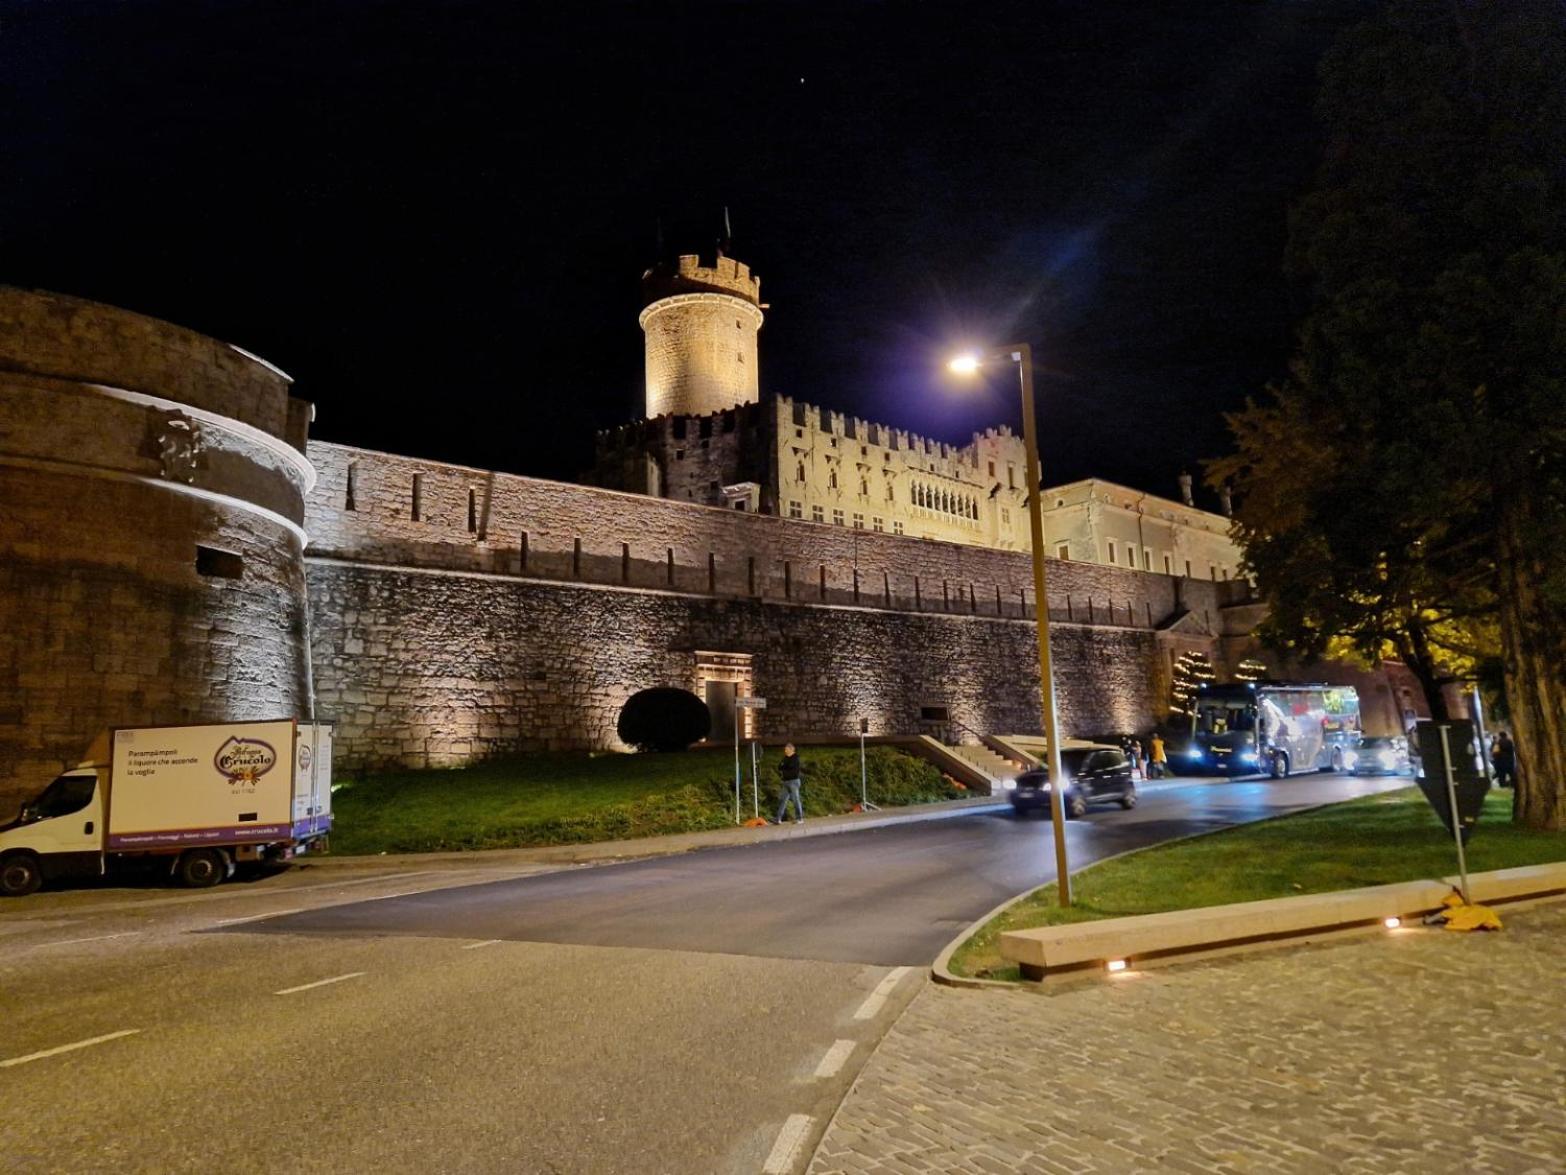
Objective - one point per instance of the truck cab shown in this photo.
(58, 833)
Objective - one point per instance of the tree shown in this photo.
(1404, 490)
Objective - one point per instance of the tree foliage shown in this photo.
(1404, 489)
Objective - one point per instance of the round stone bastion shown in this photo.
(152, 485)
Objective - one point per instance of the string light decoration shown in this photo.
(1250, 670)
(1192, 670)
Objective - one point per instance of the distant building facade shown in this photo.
(712, 438)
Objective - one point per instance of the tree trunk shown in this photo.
(1533, 633)
(1414, 649)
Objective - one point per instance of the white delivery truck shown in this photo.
(192, 800)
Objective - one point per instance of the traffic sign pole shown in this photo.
(1457, 824)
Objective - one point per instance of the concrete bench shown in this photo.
(1085, 944)
(1053, 948)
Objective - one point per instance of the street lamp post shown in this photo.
(1022, 355)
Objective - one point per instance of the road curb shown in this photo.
(940, 970)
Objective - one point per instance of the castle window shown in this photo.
(679, 454)
(864, 488)
(1147, 558)
(832, 480)
(1213, 571)
(1063, 552)
(799, 434)
(1168, 569)
(817, 515)
(739, 356)
(1130, 556)
(837, 518)
(897, 527)
(992, 469)
(889, 493)
(796, 510)
(737, 325)
(878, 525)
(799, 471)
(739, 504)
(859, 521)
(472, 511)
(704, 427)
(348, 503)
(1114, 556)
(1011, 476)
(418, 495)
(1188, 569)
(216, 564)
(886, 457)
(680, 425)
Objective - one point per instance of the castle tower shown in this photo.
(700, 325)
(152, 541)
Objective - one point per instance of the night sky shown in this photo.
(435, 215)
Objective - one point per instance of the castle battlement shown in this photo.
(726, 275)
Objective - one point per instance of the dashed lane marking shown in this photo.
(785, 1151)
(877, 998)
(835, 1058)
(319, 983)
(68, 1048)
(258, 917)
(489, 942)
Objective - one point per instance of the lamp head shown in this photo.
(965, 364)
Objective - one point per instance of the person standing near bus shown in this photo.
(1158, 759)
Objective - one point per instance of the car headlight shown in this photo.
(1008, 784)
(1193, 753)
(1387, 759)
(1247, 756)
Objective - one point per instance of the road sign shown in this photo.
(1468, 781)
(751, 703)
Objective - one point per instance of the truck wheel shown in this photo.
(1337, 760)
(20, 875)
(201, 868)
(1280, 766)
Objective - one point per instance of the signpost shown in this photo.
(864, 796)
(1458, 796)
(743, 704)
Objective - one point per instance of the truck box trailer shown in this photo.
(194, 800)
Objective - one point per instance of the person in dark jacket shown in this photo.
(1504, 758)
(789, 771)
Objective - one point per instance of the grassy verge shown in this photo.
(1377, 840)
(550, 799)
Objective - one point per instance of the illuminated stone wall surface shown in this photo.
(150, 546)
(461, 613)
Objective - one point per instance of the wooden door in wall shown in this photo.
(720, 704)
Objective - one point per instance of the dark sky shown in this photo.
(435, 215)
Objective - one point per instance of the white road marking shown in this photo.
(877, 998)
(68, 1048)
(257, 917)
(835, 1058)
(382, 897)
(786, 1149)
(65, 942)
(319, 983)
(473, 946)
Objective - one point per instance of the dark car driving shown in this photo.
(1094, 773)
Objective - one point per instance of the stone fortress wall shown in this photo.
(151, 545)
(460, 613)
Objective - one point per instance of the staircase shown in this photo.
(991, 766)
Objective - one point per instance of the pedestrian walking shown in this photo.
(1503, 757)
(1159, 760)
(789, 771)
(1137, 763)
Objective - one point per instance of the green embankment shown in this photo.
(549, 799)
(1377, 840)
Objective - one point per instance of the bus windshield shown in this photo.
(1223, 717)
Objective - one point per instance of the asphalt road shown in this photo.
(698, 1013)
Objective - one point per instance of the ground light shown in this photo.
(1115, 965)
(1391, 923)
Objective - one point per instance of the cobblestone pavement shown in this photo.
(1411, 1051)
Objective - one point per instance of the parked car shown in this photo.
(1382, 756)
(1094, 772)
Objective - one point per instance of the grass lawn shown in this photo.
(572, 798)
(1376, 840)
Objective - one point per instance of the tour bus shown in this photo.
(1274, 727)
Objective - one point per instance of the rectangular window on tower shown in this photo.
(1114, 553)
(859, 521)
(817, 514)
(1063, 552)
(897, 527)
(878, 525)
(796, 510)
(837, 518)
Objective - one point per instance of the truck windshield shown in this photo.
(69, 793)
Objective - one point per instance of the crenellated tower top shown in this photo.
(700, 324)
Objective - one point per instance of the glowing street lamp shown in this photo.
(1022, 355)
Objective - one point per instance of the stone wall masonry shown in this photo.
(439, 668)
(601, 536)
(87, 342)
